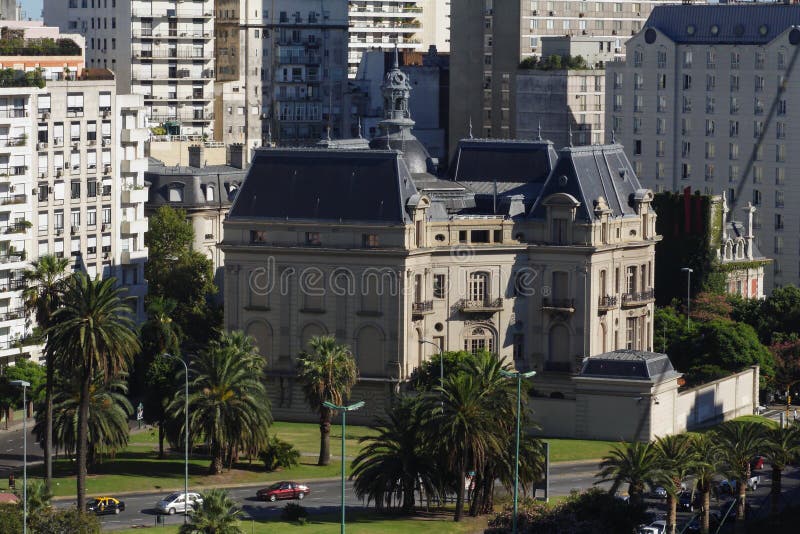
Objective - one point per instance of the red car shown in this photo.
(757, 463)
(283, 490)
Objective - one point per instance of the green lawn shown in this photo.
(366, 523)
(305, 436)
(571, 450)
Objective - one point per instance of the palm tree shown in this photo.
(783, 445)
(91, 333)
(160, 333)
(705, 468)
(676, 458)
(396, 459)
(42, 295)
(738, 442)
(465, 426)
(635, 464)
(228, 403)
(109, 410)
(38, 496)
(327, 372)
(218, 515)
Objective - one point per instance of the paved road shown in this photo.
(11, 450)
(325, 498)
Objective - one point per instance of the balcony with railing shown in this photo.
(172, 33)
(424, 307)
(481, 306)
(179, 53)
(556, 304)
(10, 142)
(11, 314)
(17, 227)
(639, 298)
(7, 200)
(180, 13)
(607, 302)
(13, 113)
(13, 170)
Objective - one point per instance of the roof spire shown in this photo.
(539, 129)
(396, 64)
(359, 126)
(470, 127)
(570, 135)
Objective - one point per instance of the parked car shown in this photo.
(105, 505)
(757, 463)
(283, 490)
(659, 492)
(175, 502)
(656, 527)
(728, 487)
(688, 502)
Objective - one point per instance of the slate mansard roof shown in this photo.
(629, 365)
(326, 184)
(589, 173)
(490, 177)
(754, 23)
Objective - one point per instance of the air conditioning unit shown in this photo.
(43, 174)
(104, 227)
(59, 231)
(59, 172)
(106, 113)
(106, 254)
(41, 146)
(46, 115)
(76, 145)
(74, 229)
(106, 142)
(106, 168)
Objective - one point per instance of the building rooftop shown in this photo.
(629, 365)
(750, 23)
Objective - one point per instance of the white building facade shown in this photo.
(699, 103)
(160, 49)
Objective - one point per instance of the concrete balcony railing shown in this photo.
(639, 298)
(135, 196)
(134, 135)
(128, 257)
(134, 165)
(8, 200)
(424, 307)
(481, 306)
(136, 226)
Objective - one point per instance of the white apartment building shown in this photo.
(491, 37)
(160, 49)
(699, 103)
(411, 24)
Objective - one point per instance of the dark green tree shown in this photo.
(676, 459)
(783, 446)
(635, 464)
(218, 515)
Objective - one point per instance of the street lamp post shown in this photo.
(441, 362)
(185, 437)
(344, 410)
(24, 385)
(688, 272)
(519, 376)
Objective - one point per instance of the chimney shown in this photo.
(237, 155)
(749, 210)
(196, 156)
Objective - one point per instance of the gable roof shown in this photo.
(588, 173)
(325, 184)
(752, 23)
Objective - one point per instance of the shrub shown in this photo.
(279, 454)
(294, 512)
(63, 522)
(10, 518)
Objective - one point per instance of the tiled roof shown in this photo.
(752, 23)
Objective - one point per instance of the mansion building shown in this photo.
(543, 257)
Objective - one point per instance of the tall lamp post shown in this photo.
(24, 385)
(688, 272)
(441, 361)
(344, 410)
(519, 376)
(185, 437)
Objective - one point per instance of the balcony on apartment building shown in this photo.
(13, 141)
(558, 304)
(174, 13)
(148, 34)
(607, 302)
(388, 11)
(172, 74)
(173, 53)
(378, 25)
(10, 314)
(10, 200)
(133, 165)
(638, 298)
(135, 226)
(15, 112)
(176, 96)
(285, 58)
(15, 227)
(134, 135)
(12, 256)
(135, 195)
(128, 257)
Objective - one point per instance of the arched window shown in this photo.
(479, 339)
(209, 193)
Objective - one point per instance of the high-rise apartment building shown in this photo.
(490, 37)
(700, 102)
(160, 49)
(411, 24)
(282, 70)
(71, 182)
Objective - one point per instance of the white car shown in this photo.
(656, 527)
(175, 503)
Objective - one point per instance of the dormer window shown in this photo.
(175, 192)
(209, 193)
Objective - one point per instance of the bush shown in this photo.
(279, 454)
(63, 522)
(294, 512)
(10, 518)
